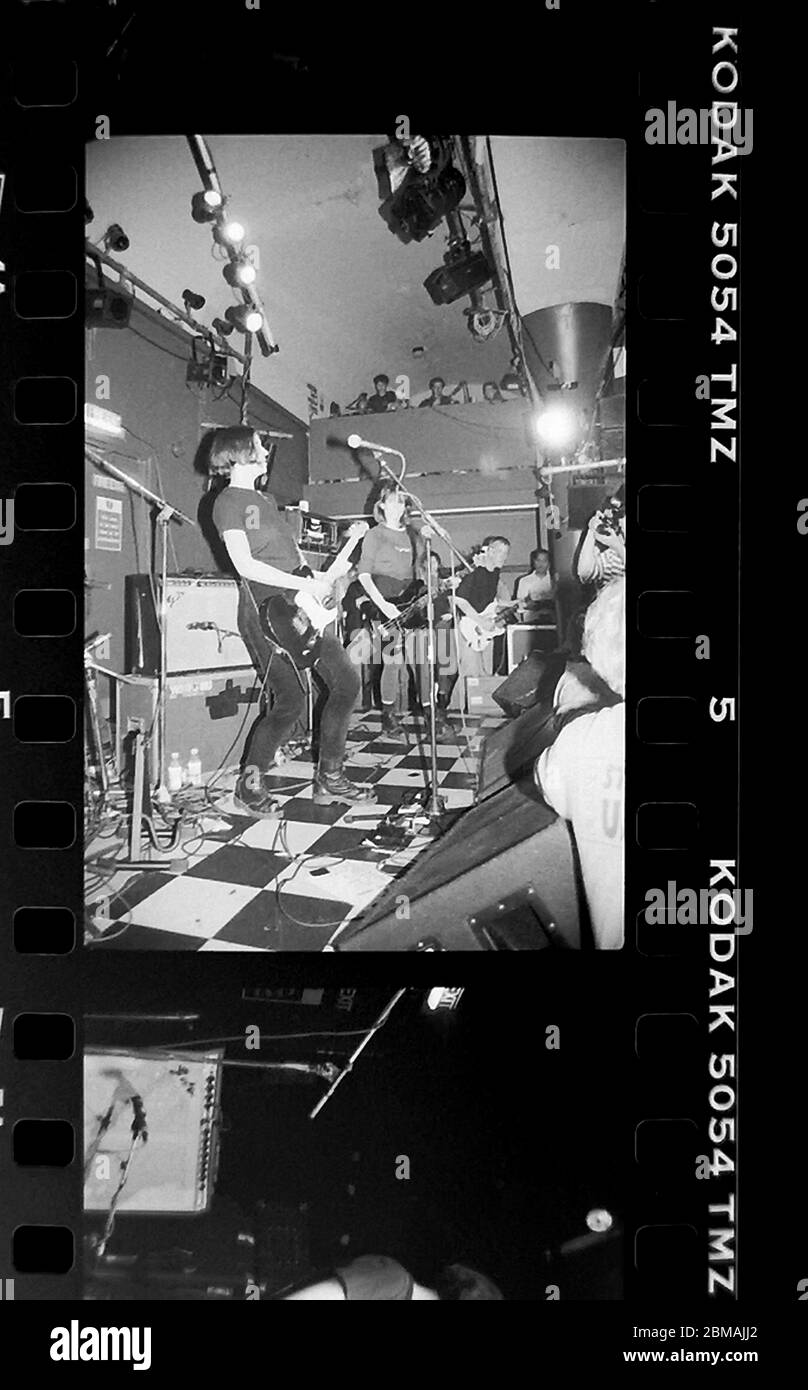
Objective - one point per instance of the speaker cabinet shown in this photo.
(208, 711)
(453, 898)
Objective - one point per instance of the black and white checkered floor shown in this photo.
(287, 883)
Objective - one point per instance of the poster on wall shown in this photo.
(108, 523)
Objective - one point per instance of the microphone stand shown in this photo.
(435, 805)
(374, 1028)
(164, 513)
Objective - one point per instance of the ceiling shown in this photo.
(344, 297)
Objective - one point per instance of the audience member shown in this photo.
(382, 399)
(535, 591)
(581, 774)
(437, 395)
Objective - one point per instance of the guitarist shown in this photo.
(476, 597)
(264, 555)
(391, 559)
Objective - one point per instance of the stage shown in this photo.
(286, 883)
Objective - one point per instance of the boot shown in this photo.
(443, 729)
(255, 800)
(391, 724)
(331, 785)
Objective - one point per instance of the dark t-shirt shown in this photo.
(378, 404)
(444, 400)
(389, 557)
(268, 534)
(479, 588)
(375, 1277)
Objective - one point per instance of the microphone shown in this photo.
(355, 442)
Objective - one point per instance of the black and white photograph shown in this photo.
(355, 542)
(329, 432)
(371, 1143)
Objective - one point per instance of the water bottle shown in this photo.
(194, 769)
(175, 773)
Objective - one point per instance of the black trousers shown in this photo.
(274, 725)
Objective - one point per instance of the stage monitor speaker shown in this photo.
(452, 898)
(510, 753)
(531, 681)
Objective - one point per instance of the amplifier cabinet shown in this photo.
(207, 710)
(201, 625)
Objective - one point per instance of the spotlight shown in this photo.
(244, 318)
(204, 205)
(192, 301)
(422, 200)
(222, 327)
(228, 233)
(451, 282)
(239, 273)
(598, 1219)
(557, 427)
(115, 238)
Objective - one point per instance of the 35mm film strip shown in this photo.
(576, 1108)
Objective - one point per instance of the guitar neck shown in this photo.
(341, 563)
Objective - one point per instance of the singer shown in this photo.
(264, 556)
(391, 559)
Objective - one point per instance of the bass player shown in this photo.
(480, 597)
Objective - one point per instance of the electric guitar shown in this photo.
(296, 622)
(412, 604)
(478, 634)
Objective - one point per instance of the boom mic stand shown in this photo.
(434, 804)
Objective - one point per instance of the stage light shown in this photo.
(223, 328)
(192, 301)
(557, 427)
(239, 273)
(422, 200)
(245, 319)
(107, 308)
(205, 205)
(443, 999)
(115, 238)
(228, 233)
(599, 1219)
(464, 270)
